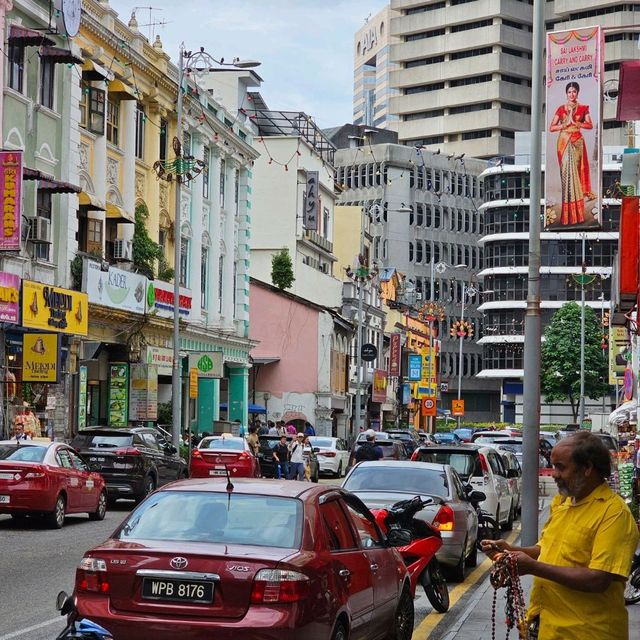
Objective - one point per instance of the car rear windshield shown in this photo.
(466, 463)
(445, 437)
(327, 443)
(22, 453)
(380, 435)
(409, 479)
(102, 440)
(232, 444)
(191, 516)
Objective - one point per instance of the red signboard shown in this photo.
(428, 406)
(629, 248)
(11, 193)
(379, 389)
(394, 355)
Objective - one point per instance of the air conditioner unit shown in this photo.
(39, 230)
(123, 250)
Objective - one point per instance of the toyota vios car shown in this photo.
(277, 560)
(40, 478)
(222, 455)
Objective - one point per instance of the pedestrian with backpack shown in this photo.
(369, 450)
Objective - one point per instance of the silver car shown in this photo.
(382, 483)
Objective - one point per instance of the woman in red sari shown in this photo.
(573, 161)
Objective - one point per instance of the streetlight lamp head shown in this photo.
(246, 64)
(403, 208)
(461, 266)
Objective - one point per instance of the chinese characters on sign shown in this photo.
(311, 201)
(11, 189)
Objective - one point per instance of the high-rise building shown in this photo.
(371, 90)
(462, 76)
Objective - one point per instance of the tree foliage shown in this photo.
(560, 358)
(282, 270)
(145, 251)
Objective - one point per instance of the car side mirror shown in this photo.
(399, 537)
(316, 449)
(64, 603)
(477, 496)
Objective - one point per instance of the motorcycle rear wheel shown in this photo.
(632, 588)
(435, 586)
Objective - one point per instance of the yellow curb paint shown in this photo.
(433, 619)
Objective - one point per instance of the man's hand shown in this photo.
(525, 563)
(492, 547)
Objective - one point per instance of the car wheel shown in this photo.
(339, 472)
(472, 558)
(508, 525)
(101, 508)
(456, 573)
(55, 519)
(340, 632)
(316, 476)
(402, 628)
(149, 487)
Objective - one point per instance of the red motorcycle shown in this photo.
(420, 554)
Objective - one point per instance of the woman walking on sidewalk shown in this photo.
(582, 559)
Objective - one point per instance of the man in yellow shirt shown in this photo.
(584, 554)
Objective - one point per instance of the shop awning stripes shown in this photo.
(58, 55)
(28, 37)
(48, 182)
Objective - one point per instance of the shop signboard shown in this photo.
(414, 361)
(118, 404)
(11, 190)
(619, 353)
(161, 357)
(394, 355)
(82, 397)
(379, 387)
(49, 308)
(40, 357)
(208, 363)
(193, 383)
(9, 298)
(143, 392)
(115, 288)
(457, 408)
(160, 297)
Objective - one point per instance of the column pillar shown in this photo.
(195, 314)
(238, 393)
(228, 284)
(128, 108)
(208, 400)
(216, 233)
(5, 6)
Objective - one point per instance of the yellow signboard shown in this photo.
(40, 357)
(193, 383)
(54, 309)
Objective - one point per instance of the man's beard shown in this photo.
(572, 490)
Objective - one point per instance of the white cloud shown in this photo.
(305, 46)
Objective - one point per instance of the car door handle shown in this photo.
(374, 567)
(344, 573)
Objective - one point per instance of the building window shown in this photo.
(220, 282)
(204, 281)
(84, 104)
(140, 120)
(186, 144)
(47, 82)
(223, 179)
(43, 210)
(163, 139)
(16, 67)
(206, 153)
(113, 121)
(236, 190)
(184, 261)
(96, 98)
(94, 235)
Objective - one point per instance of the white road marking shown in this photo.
(35, 627)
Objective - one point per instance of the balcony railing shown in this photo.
(315, 238)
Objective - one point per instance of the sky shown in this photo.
(305, 46)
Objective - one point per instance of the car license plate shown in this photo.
(177, 590)
(6, 476)
(214, 472)
(5, 499)
(93, 459)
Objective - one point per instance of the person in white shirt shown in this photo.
(296, 461)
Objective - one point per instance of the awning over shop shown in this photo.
(58, 55)
(89, 201)
(57, 186)
(116, 213)
(22, 36)
(124, 91)
(265, 359)
(253, 408)
(35, 174)
(93, 71)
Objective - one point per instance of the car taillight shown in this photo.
(444, 519)
(245, 455)
(414, 455)
(32, 475)
(196, 454)
(272, 586)
(92, 575)
(128, 451)
(485, 468)
(328, 454)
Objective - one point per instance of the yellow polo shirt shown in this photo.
(597, 532)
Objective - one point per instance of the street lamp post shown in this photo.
(467, 290)
(183, 169)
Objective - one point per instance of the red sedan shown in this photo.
(277, 560)
(50, 479)
(216, 455)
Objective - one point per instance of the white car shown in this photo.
(333, 454)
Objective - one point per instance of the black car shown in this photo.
(265, 457)
(392, 448)
(133, 461)
(408, 439)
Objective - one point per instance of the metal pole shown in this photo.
(531, 390)
(604, 354)
(360, 284)
(582, 302)
(464, 297)
(431, 419)
(176, 395)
